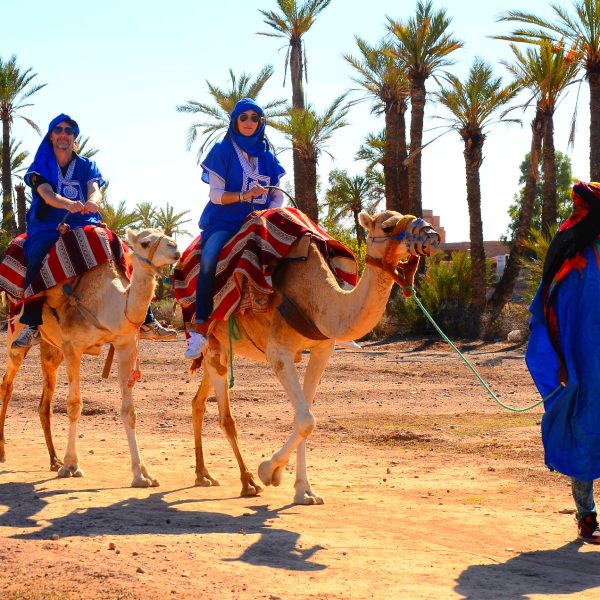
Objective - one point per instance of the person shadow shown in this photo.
(155, 514)
(563, 571)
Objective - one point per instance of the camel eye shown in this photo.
(145, 244)
(388, 229)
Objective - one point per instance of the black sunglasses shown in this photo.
(67, 130)
(254, 118)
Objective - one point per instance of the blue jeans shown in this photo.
(583, 494)
(211, 248)
(36, 248)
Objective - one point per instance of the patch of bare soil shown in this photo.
(431, 489)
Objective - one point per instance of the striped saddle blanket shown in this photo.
(247, 261)
(75, 252)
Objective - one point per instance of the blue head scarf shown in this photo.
(44, 162)
(255, 144)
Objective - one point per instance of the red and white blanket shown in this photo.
(75, 252)
(243, 278)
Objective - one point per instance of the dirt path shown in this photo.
(432, 491)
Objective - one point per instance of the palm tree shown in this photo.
(372, 151)
(83, 149)
(224, 101)
(473, 104)
(386, 82)
(17, 159)
(545, 71)
(348, 196)
(146, 214)
(581, 32)
(294, 20)
(309, 133)
(170, 221)
(117, 218)
(15, 87)
(423, 46)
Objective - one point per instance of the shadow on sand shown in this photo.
(563, 571)
(154, 514)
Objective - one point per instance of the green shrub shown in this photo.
(445, 291)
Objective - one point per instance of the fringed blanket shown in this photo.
(75, 252)
(243, 278)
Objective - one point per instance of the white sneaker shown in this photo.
(349, 345)
(195, 344)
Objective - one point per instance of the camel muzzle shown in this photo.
(420, 237)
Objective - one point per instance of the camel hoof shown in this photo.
(277, 476)
(265, 472)
(145, 481)
(206, 481)
(308, 499)
(250, 489)
(72, 471)
(55, 464)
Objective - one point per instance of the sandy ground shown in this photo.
(431, 489)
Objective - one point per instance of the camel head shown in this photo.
(153, 247)
(395, 240)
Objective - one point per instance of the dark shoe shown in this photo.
(588, 529)
(155, 331)
(30, 336)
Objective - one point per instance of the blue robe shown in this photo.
(571, 423)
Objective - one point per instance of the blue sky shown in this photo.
(121, 67)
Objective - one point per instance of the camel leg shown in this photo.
(70, 467)
(125, 359)
(203, 477)
(51, 358)
(319, 357)
(14, 360)
(218, 375)
(282, 361)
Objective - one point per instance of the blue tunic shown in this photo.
(571, 423)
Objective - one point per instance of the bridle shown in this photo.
(153, 249)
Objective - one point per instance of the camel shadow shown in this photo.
(564, 571)
(155, 515)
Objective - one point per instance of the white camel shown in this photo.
(315, 306)
(104, 308)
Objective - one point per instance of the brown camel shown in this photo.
(104, 308)
(334, 313)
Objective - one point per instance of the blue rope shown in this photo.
(483, 383)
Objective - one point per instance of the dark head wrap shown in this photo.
(565, 254)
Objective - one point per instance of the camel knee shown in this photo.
(74, 409)
(228, 425)
(305, 424)
(129, 416)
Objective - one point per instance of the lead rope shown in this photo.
(465, 360)
(234, 334)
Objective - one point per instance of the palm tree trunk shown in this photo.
(473, 154)
(549, 202)
(8, 216)
(358, 228)
(21, 207)
(404, 207)
(296, 72)
(391, 160)
(417, 103)
(298, 180)
(306, 193)
(594, 82)
(505, 287)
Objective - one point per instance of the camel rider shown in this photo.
(63, 184)
(236, 168)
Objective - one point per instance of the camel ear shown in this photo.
(388, 225)
(366, 220)
(132, 236)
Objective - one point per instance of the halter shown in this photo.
(411, 236)
(148, 261)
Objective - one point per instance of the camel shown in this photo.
(327, 312)
(103, 308)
